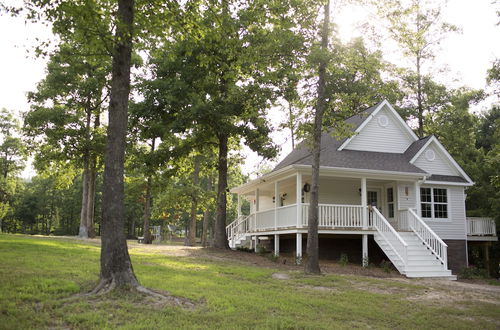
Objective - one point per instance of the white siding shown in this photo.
(406, 201)
(440, 165)
(335, 191)
(454, 227)
(392, 138)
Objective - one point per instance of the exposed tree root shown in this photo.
(160, 298)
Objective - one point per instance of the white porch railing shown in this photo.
(390, 236)
(264, 220)
(428, 237)
(481, 227)
(336, 216)
(331, 216)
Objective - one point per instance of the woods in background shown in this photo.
(206, 77)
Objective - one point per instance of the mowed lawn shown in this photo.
(40, 276)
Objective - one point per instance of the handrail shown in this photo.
(481, 227)
(429, 237)
(391, 230)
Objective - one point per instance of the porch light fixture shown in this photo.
(407, 191)
(307, 187)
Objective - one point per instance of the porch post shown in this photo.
(298, 255)
(364, 203)
(417, 198)
(365, 250)
(276, 201)
(257, 200)
(276, 245)
(299, 199)
(256, 243)
(239, 205)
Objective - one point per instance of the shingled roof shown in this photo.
(366, 160)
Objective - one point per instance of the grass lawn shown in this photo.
(37, 274)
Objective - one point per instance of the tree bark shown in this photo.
(312, 263)
(206, 218)
(92, 173)
(220, 237)
(191, 239)
(116, 267)
(420, 106)
(83, 231)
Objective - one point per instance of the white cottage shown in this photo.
(384, 193)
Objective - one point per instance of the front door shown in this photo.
(373, 198)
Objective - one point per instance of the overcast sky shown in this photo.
(466, 55)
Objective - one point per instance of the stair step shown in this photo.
(432, 274)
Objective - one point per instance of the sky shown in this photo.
(466, 56)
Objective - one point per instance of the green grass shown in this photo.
(37, 274)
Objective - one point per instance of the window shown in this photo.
(434, 203)
(390, 202)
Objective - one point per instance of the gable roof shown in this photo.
(442, 149)
(334, 156)
(370, 115)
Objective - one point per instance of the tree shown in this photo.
(63, 123)
(219, 78)
(116, 267)
(417, 27)
(12, 157)
(312, 264)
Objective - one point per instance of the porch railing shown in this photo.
(428, 237)
(481, 227)
(390, 236)
(336, 216)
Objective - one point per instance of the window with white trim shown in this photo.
(434, 203)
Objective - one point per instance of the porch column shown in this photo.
(298, 255)
(417, 198)
(257, 200)
(365, 250)
(364, 203)
(256, 243)
(299, 199)
(276, 245)
(239, 205)
(276, 201)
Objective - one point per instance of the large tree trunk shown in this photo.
(91, 196)
(312, 263)
(220, 237)
(191, 239)
(204, 233)
(116, 267)
(83, 231)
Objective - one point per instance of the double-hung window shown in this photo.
(434, 203)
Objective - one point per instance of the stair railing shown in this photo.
(390, 236)
(428, 237)
(239, 227)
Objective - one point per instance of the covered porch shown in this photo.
(344, 203)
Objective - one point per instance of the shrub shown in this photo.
(386, 266)
(344, 259)
(473, 273)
